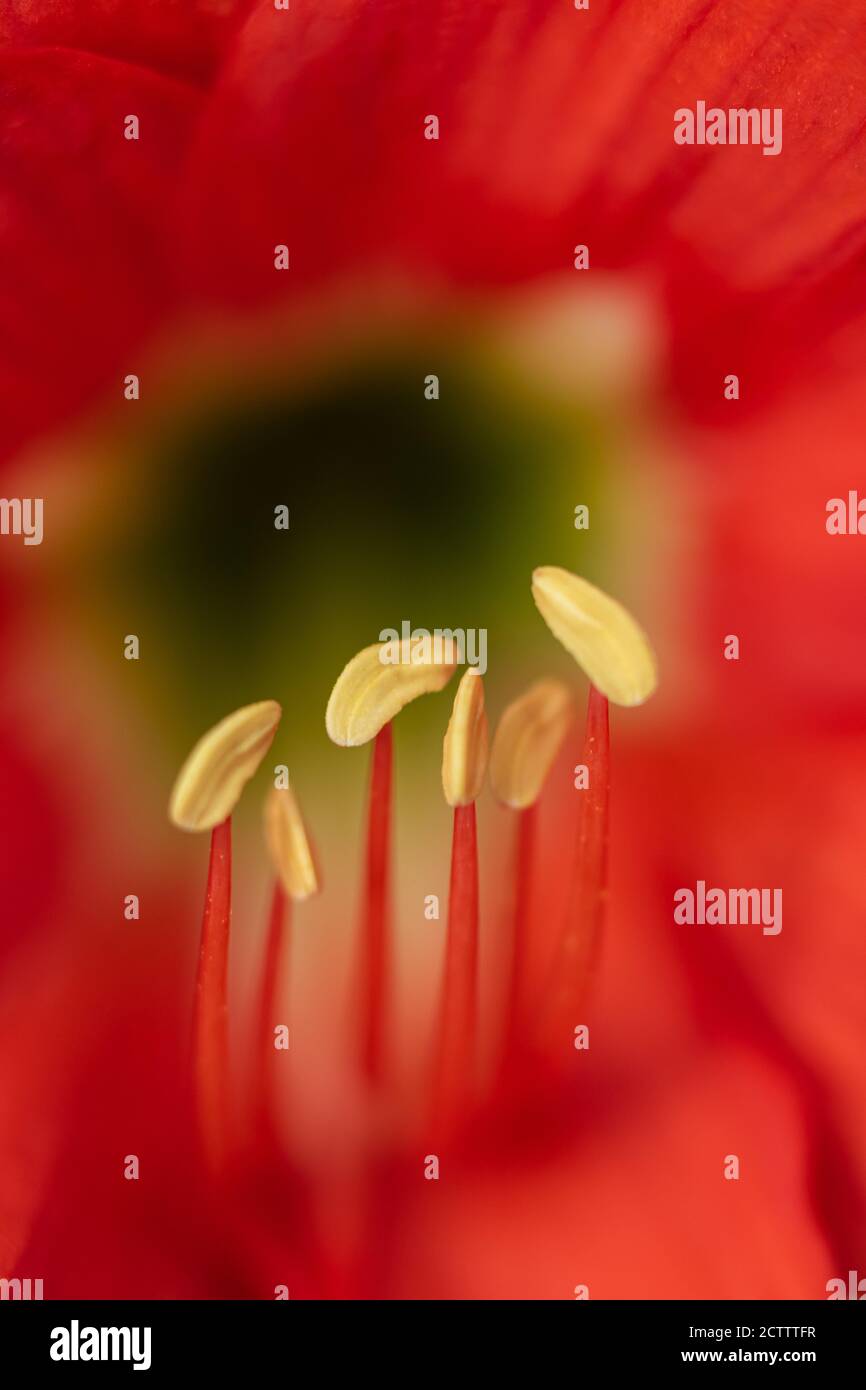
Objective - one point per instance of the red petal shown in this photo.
(84, 274)
(799, 996)
(556, 128)
(178, 39)
(640, 1208)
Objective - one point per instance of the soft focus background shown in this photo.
(306, 388)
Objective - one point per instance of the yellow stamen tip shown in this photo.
(464, 753)
(600, 634)
(375, 686)
(211, 780)
(528, 738)
(288, 845)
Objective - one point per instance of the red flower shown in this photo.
(261, 127)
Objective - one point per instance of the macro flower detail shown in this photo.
(528, 737)
(600, 634)
(205, 795)
(464, 764)
(289, 847)
(410, 346)
(372, 689)
(464, 752)
(220, 765)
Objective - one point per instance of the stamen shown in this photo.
(457, 1029)
(297, 880)
(210, 1020)
(289, 845)
(464, 752)
(577, 950)
(276, 954)
(528, 738)
(204, 796)
(209, 784)
(517, 992)
(464, 765)
(607, 643)
(600, 634)
(375, 686)
(375, 934)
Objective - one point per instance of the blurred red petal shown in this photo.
(798, 996)
(82, 218)
(640, 1208)
(34, 1073)
(556, 127)
(772, 574)
(180, 38)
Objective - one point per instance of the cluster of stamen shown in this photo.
(613, 651)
